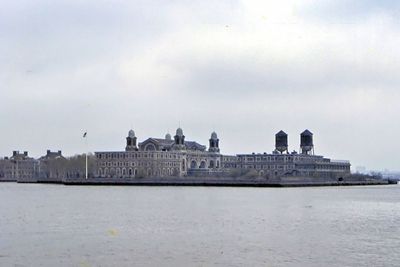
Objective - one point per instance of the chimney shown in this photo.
(25, 153)
(15, 153)
(59, 152)
(48, 152)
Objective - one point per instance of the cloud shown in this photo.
(348, 11)
(244, 68)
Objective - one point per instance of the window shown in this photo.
(193, 164)
(211, 164)
(150, 147)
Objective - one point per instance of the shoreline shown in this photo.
(208, 182)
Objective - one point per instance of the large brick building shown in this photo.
(161, 157)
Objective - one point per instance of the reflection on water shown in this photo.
(54, 225)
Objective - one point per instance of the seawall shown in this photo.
(225, 181)
(210, 181)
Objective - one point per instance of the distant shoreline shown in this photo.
(211, 181)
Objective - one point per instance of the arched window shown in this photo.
(193, 164)
(150, 147)
(212, 164)
(130, 172)
(202, 164)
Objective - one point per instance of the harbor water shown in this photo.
(57, 225)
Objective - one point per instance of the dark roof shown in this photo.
(306, 132)
(159, 141)
(191, 145)
(194, 145)
(281, 133)
(20, 156)
(52, 155)
(164, 142)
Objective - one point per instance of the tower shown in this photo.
(306, 143)
(281, 142)
(131, 142)
(214, 143)
(179, 140)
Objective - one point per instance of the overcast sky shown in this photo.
(245, 69)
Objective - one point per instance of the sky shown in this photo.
(245, 69)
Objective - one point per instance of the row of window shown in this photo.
(279, 158)
(130, 155)
(229, 159)
(132, 172)
(133, 164)
(333, 167)
(269, 167)
(268, 158)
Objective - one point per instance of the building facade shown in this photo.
(52, 165)
(163, 157)
(177, 157)
(160, 157)
(278, 165)
(18, 167)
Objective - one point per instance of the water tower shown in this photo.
(306, 143)
(281, 142)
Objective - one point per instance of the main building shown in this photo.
(163, 157)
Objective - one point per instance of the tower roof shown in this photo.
(131, 134)
(306, 132)
(281, 133)
(214, 135)
(179, 132)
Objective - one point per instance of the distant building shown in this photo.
(162, 157)
(274, 165)
(52, 165)
(18, 167)
(52, 155)
(167, 157)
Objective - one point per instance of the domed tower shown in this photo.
(281, 142)
(131, 142)
(306, 143)
(179, 140)
(214, 143)
(168, 137)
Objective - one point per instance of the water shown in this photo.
(54, 225)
